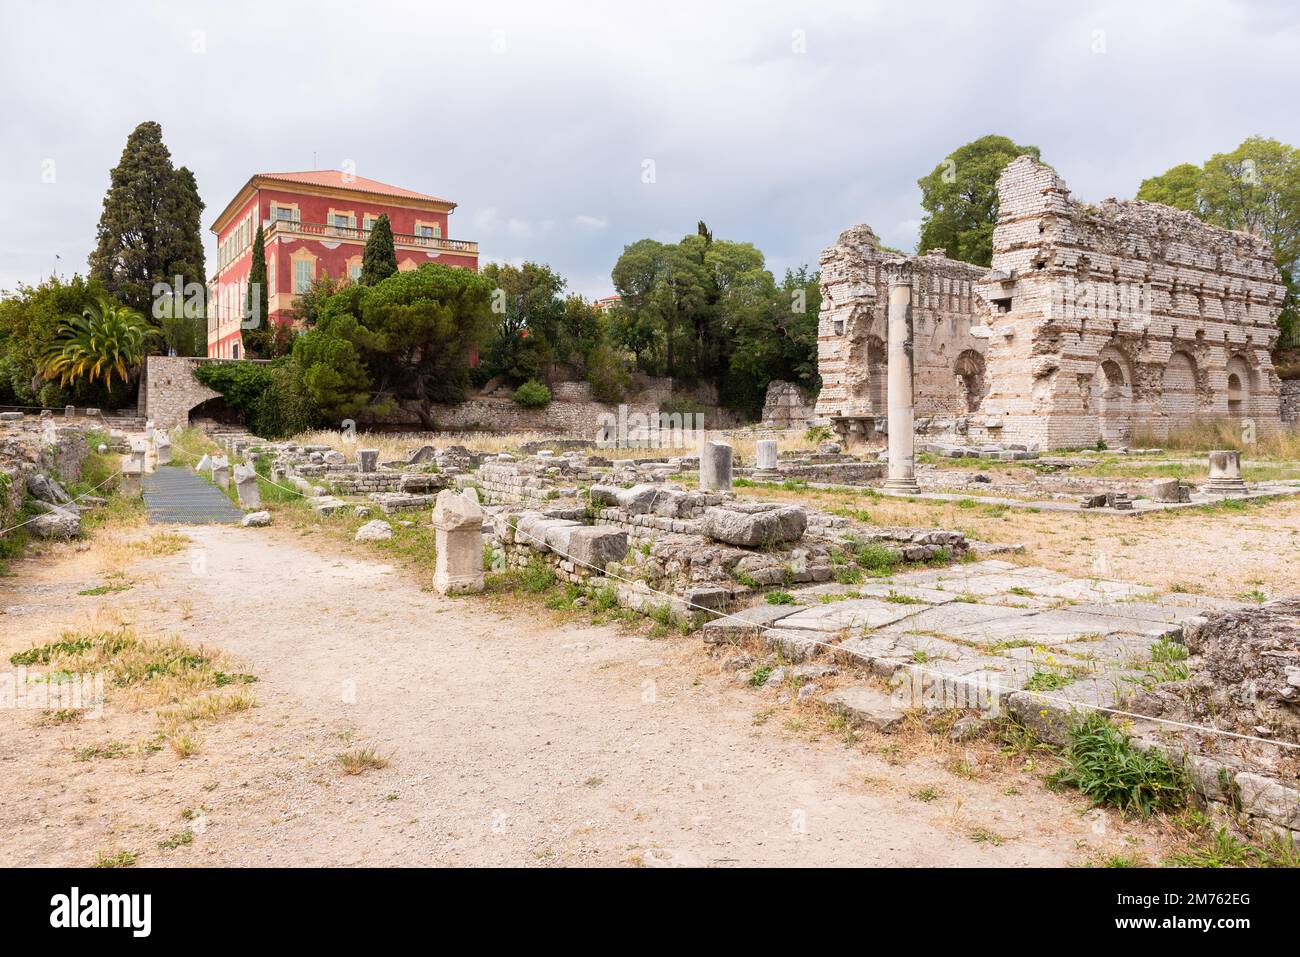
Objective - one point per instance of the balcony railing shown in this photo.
(294, 227)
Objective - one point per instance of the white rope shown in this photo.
(919, 669)
(5, 531)
(912, 668)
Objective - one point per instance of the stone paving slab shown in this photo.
(1051, 627)
(854, 613)
(947, 619)
(929, 596)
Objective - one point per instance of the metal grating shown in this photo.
(174, 495)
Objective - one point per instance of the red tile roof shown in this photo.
(335, 178)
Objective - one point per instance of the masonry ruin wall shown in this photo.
(1125, 318)
(949, 374)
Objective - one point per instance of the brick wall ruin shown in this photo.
(851, 335)
(1114, 320)
(1094, 324)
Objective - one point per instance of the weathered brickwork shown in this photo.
(1290, 400)
(169, 390)
(851, 334)
(1129, 317)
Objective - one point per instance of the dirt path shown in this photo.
(512, 741)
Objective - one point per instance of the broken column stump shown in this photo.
(458, 537)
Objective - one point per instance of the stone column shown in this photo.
(140, 452)
(220, 471)
(162, 447)
(1225, 473)
(246, 487)
(766, 460)
(715, 467)
(458, 538)
(129, 485)
(902, 441)
(366, 459)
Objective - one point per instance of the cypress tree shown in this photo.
(133, 249)
(379, 261)
(180, 224)
(257, 340)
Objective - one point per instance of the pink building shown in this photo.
(316, 222)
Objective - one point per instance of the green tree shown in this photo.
(307, 306)
(1179, 187)
(379, 261)
(182, 230)
(149, 227)
(107, 340)
(259, 338)
(530, 312)
(1256, 189)
(960, 198)
(30, 319)
(404, 341)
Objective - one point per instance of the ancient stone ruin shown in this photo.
(852, 335)
(1095, 324)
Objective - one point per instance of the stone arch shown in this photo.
(1240, 383)
(215, 410)
(877, 374)
(170, 390)
(1178, 399)
(969, 370)
(1112, 397)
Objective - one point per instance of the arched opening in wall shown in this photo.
(1178, 401)
(216, 411)
(1112, 395)
(969, 370)
(1239, 388)
(877, 374)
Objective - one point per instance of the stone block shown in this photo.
(746, 623)
(751, 526)
(458, 527)
(374, 531)
(865, 705)
(246, 487)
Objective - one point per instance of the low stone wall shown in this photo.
(787, 406)
(571, 412)
(504, 482)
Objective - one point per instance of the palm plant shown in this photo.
(105, 341)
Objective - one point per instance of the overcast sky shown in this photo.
(777, 123)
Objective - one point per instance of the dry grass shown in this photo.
(178, 681)
(191, 444)
(1237, 551)
(360, 760)
(117, 548)
(1204, 435)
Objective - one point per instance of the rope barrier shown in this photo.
(912, 668)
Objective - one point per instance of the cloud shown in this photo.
(768, 140)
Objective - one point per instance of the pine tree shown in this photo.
(258, 339)
(133, 249)
(380, 258)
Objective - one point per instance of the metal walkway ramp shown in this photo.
(175, 495)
